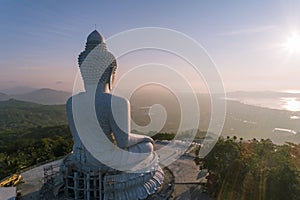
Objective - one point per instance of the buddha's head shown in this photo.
(97, 65)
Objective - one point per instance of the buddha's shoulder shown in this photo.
(119, 100)
(75, 97)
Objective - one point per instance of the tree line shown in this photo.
(253, 170)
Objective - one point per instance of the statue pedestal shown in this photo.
(132, 186)
(109, 184)
(81, 181)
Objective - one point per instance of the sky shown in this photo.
(254, 44)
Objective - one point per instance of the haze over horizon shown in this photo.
(254, 44)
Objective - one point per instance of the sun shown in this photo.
(292, 43)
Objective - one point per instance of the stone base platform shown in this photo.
(164, 193)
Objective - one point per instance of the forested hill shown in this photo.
(31, 133)
(22, 148)
(16, 114)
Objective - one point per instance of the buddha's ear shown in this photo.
(111, 78)
(111, 73)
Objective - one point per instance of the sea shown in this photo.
(289, 103)
(281, 103)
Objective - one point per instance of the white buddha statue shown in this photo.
(98, 72)
(103, 144)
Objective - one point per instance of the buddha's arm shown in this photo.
(120, 124)
(120, 121)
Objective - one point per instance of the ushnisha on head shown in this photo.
(97, 65)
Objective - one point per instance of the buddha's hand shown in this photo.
(135, 139)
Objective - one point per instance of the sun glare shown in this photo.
(291, 104)
(292, 43)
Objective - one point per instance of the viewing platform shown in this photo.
(182, 178)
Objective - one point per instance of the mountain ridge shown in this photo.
(16, 114)
(3, 97)
(17, 90)
(44, 96)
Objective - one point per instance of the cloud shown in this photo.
(258, 29)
